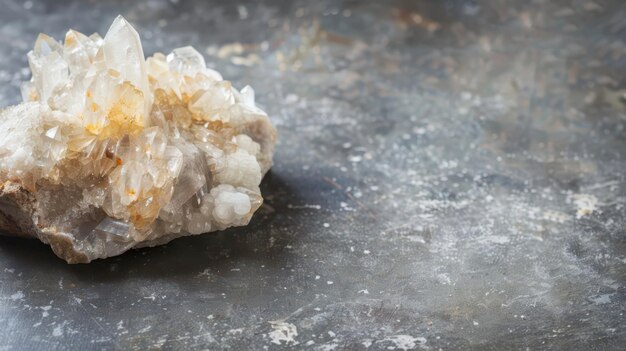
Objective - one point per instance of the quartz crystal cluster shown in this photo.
(110, 150)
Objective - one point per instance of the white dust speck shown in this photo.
(151, 297)
(555, 216)
(235, 331)
(331, 334)
(17, 296)
(243, 12)
(327, 347)
(496, 239)
(291, 98)
(45, 311)
(330, 282)
(601, 299)
(405, 342)
(283, 332)
(57, 331)
(160, 342)
(145, 329)
(475, 323)
(305, 206)
(366, 252)
(364, 292)
(444, 279)
(326, 225)
(420, 131)
(585, 204)
(612, 184)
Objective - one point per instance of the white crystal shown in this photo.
(229, 204)
(49, 69)
(247, 96)
(138, 151)
(123, 53)
(211, 101)
(186, 60)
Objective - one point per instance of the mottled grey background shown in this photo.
(450, 175)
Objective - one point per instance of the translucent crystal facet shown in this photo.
(186, 60)
(138, 151)
(123, 54)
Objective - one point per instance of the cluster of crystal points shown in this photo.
(123, 151)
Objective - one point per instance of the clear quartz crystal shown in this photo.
(113, 229)
(208, 103)
(192, 178)
(247, 96)
(186, 60)
(123, 54)
(159, 147)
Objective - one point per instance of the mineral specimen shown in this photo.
(111, 151)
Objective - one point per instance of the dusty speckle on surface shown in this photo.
(283, 333)
(585, 204)
(467, 157)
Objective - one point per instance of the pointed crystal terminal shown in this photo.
(186, 60)
(247, 96)
(123, 54)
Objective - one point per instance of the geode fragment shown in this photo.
(110, 151)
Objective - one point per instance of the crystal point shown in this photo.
(123, 54)
(186, 60)
(138, 151)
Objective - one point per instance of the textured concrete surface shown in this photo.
(450, 175)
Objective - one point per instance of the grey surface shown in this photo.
(434, 183)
